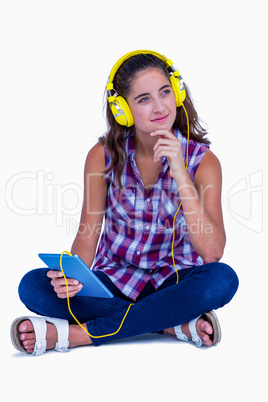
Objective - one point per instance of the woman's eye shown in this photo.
(166, 92)
(142, 100)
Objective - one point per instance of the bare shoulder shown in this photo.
(209, 169)
(210, 161)
(95, 161)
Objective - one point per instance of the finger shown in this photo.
(165, 133)
(64, 295)
(63, 289)
(168, 144)
(163, 141)
(58, 282)
(169, 147)
(168, 154)
(54, 274)
(72, 291)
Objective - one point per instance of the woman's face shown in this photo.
(152, 102)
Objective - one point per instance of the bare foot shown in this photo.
(204, 330)
(77, 336)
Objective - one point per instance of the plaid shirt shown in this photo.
(135, 246)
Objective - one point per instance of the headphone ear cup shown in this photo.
(122, 112)
(179, 93)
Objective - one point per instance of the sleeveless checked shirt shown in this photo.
(135, 246)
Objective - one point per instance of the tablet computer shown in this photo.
(74, 267)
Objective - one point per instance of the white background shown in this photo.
(55, 59)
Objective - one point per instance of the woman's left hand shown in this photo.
(168, 145)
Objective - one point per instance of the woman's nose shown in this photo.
(158, 105)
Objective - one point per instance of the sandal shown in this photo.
(40, 330)
(212, 319)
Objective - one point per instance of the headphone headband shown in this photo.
(118, 64)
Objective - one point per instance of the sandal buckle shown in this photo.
(40, 347)
(62, 346)
(197, 341)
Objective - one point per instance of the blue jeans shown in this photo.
(200, 289)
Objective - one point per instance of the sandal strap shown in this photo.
(195, 337)
(62, 327)
(40, 330)
(192, 328)
(181, 335)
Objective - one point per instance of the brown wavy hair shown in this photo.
(117, 134)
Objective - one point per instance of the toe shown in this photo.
(29, 347)
(29, 343)
(27, 336)
(206, 339)
(26, 326)
(207, 328)
(206, 331)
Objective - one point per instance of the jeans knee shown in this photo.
(229, 278)
(224, 282)
(25, 286)
(30, 285)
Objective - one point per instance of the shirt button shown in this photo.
(138, 252)
(147, 227)
(148, 200)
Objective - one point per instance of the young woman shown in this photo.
(160, 195)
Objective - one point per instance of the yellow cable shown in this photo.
(186, 166)
(172, 251)
(69, 307)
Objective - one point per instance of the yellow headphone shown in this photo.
(119, 106)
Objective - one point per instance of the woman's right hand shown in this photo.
(59, 284)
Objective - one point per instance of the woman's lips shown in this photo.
(161, 119)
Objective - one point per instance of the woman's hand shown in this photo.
(168, 145)
(59, 284)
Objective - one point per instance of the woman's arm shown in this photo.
(85, 243)
(201, 200)
(95, 193)
(202, 208)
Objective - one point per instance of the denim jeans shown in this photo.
(200, 289)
